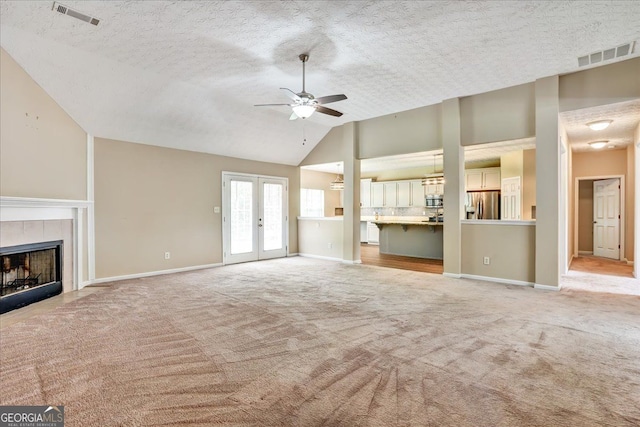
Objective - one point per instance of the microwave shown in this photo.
(434, 201)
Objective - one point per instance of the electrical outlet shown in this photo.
(330, 245)
(486, 260)
(167, 255)
(216, 209)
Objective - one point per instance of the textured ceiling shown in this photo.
(186, 74)
(625, 116)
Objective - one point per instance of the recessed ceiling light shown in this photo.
(598, 144)
(599, 125)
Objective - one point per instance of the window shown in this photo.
(311, 202)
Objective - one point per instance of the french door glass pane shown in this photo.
(272, 221)
(241, 217)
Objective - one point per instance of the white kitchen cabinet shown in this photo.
(417, 192)
(377, 194)
(365, 193)
(491, 179)
(363, 232)
(390, 194)
(373, 233)
(434, 189)
(404, 193)
(482, 179)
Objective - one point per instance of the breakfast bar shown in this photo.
(419, 239)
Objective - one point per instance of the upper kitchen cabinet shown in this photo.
(482, 179)
(377, 194)
(390, 194)
(365, 193)
(417, 192)
(404, 193)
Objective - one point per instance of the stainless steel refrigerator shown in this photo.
(482, 204)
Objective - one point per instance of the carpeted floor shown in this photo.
(303, 342)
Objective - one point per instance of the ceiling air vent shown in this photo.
(74, 13)
(606, 55)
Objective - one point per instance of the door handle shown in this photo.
(259, 225)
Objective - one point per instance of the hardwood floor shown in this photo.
(598, 265)
(370, 255)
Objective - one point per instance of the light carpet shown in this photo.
(303, 342)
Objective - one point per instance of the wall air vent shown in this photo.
(60, 8)
(606, 55)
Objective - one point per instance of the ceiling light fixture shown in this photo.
(303, 111)
(338, 184)
(599, 125)
(598, 144)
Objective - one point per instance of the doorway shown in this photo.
(255, 220)
(599, 207)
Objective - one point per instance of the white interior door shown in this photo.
(510, 193)
(606, 218)
(254, 218)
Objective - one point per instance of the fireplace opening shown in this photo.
(30, 273)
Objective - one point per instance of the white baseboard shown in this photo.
(346, 261)
(547, 287)
(585, 252)
(327, 258)
(628, 262)
(293, 254)
(452, 275)
(152, 273)
(497, 280)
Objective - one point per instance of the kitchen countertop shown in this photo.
(405, 222)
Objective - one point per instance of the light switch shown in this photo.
(216, 209)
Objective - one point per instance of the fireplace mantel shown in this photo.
(35, 209)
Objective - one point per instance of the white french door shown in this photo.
(606, 218)
(254, 217)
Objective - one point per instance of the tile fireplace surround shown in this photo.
(26, 220)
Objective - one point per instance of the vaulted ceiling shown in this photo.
(186, 74)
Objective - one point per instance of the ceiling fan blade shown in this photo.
(329, 111)
(270, 105)
(293, 116)
(331, 98)
(291, 94)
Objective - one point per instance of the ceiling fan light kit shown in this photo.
(305, 104)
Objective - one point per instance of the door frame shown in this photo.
(225, 233)
(576, 213)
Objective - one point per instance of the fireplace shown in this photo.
(30, 273)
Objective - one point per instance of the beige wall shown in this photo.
(317, 235)
(511, 165)
(528, 183)
(608, 84)
(43, 152)
(150, 200)
(511, 249)
(500, 115)
(321, 181)
(599, 163)
(400, 133)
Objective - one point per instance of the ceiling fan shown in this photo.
(304, 104)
